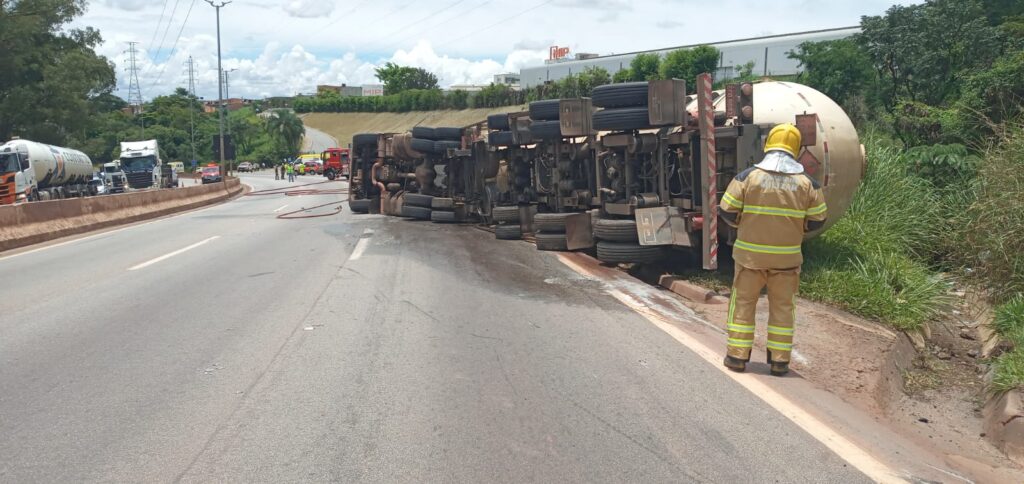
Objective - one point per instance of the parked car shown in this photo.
(245, 166)
(211, 174)
(314, 167)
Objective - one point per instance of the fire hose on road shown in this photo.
(298, 191)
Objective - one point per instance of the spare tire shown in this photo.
(439, 203)
(451, 134)
(624, 95)
(500, 138)
(418, 213)
(505, 214)
(508, 232)
(424, 132)
(363, 139)
(422, 145)
(628, 252)
(550, 223)
(546, 129)
(544, 110)
(359, 206)
(616, 230)
(442, 147)
(622, 119)
(555, 242)
(498, 121)
(442, 216)
(418, 200)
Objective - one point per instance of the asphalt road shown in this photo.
(226, 345)
(316, 141)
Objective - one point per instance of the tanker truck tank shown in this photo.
(37, 171)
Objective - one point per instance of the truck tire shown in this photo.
(508, 232)
(628, 252)
(442, 147)
(359, 206)
(449, 134)
(498, 121)
(418, 200)
(363, 139)
(423, 132)
(422, 145)
(616, 230)
(544, 110)
(418, 213)
(621, 119)
(442, 216)
(500, 138)
(624, 95)
(330, 174)
(439, 203)
(505, 214)
(550, 223)
(555, 242)
(546, 129)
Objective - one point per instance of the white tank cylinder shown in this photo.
(54, 166)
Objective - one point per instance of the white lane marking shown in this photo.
(282, 207)
(172, 254)
(360, 248)
(841, 446)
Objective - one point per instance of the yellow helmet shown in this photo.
(784, 137)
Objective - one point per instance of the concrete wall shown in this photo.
(32, 223)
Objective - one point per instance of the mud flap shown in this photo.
(579, 233)
(662, 226)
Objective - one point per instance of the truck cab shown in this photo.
(114, 177)
(13, 169)
(336, 163)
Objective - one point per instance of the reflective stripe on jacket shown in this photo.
(772, 210)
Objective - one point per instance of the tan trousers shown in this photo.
(746, 289)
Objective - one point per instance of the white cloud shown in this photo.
(308, 8)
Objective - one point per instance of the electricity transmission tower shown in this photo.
(134, 91)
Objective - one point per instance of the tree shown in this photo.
(644, 67)
(838, 68)
(623, 75)
(398, 78)
(50, 73)
(286, 129)
(686, 64)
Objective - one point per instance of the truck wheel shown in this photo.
(616, 230)
(442, 216)
(621, 119)
(330, 175)
(505, 214)
(450, 134)
(555, 242)
(544, 110)
(550, 223)
(500, 138)
(423, 132)
(418, 200)
(359, 206)
(439, 203)
(624, 95)
(418, 213)
(364, 139)
(546, 129)
(628, 252)
(442, 147)
(498, 121)
(508, 232)
(422, 145)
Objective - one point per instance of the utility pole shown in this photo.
(227, 90)
(220, 89)
(191, 105)
(134, 91)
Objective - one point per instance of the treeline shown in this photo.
(412, 89)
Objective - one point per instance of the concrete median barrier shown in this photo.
(36, 222)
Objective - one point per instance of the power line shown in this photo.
(342, 16)
(442, 10)
(175, 46)
(535, 7)
(157, 29)
(170, 20)
(449, 19)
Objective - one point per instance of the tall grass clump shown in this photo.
(1009, 323)
(874, 261)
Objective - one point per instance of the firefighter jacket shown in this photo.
(772, 210)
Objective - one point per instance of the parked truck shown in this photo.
(143, 166)
(31, 171)
(113, 177)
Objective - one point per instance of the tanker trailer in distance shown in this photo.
(143, 166)
(32, 171)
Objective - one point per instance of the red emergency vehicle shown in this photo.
(337, 162)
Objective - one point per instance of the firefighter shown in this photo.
(772, 205)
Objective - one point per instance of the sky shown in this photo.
(286, 47)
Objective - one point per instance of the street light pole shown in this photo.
(220, 90)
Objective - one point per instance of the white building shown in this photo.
(769, 55)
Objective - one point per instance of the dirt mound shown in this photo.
(343, 125)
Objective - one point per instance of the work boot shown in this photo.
(777, 368)
(735, 364)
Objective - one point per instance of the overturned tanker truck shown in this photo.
(624, 173)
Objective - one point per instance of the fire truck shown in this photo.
(337, 163)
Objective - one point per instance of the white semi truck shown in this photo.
(113, 177)
(143, 166)
(32, 171)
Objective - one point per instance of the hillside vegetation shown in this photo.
(344, 125)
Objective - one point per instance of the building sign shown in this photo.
(373, 90)
(555, 52)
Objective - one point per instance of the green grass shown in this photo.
(1009, 371)
(1009, 321)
